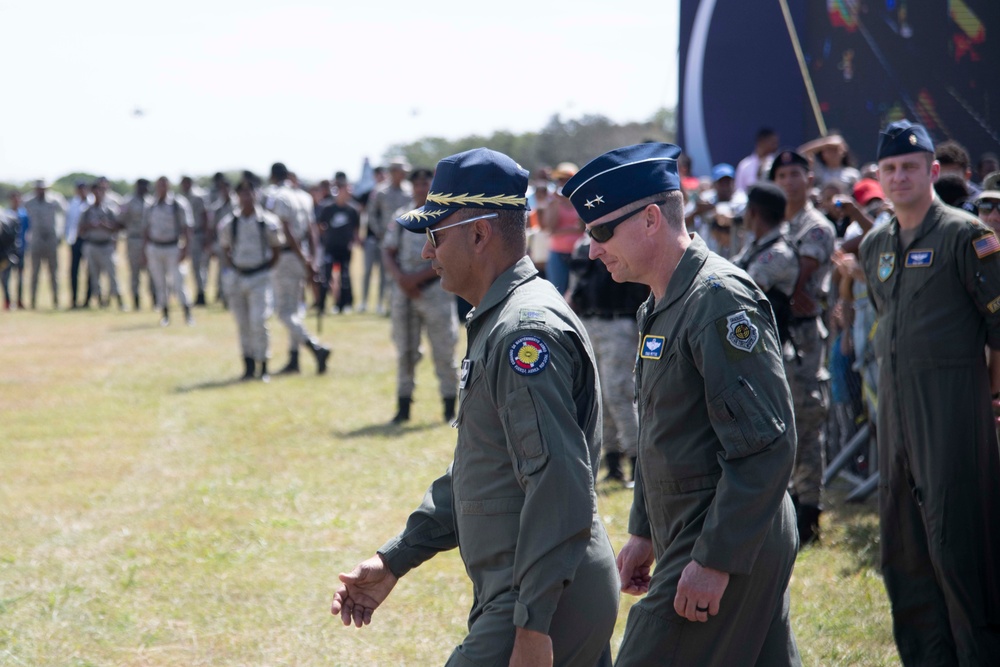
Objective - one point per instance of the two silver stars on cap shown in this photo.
(591, 203)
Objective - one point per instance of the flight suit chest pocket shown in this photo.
(524, 437)
(744, 419)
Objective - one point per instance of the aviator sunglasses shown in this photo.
(603, 232)
(986, 206)
(431, 232)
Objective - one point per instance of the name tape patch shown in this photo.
(919, 258)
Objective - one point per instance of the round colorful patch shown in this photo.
(528, 355)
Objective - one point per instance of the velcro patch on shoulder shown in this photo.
(740, 336)
(986, 245)
(528, 355)
(531, 315)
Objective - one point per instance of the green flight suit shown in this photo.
(716, 446)
(938, 304)
(518, 499)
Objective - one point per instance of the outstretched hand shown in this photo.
(362, 590)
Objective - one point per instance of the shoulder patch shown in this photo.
(817, 234)
(740, 334)
(986, 245)
(531, 315)
(528, 355)
(994, 305)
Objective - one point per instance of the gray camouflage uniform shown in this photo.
(132, 218)
(99, 227)
(47, 218)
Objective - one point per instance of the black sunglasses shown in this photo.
(603, 232)
(987, 207)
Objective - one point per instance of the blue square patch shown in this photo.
(652, 347)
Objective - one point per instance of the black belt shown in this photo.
(164, 244)
(255, 270)
(100, 243)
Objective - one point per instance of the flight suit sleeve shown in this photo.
(979, 265)
(750, 408)
(429, 530)
(638, 520)
(531, 377)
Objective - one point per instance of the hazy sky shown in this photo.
(318, 85)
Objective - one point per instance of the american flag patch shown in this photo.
(986, 245)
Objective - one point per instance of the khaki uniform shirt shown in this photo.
(716, 428)
(196, 201)
(771, 262)
(813, 236)
(283, 201)
(165, 221)
(519, 498)
(133, 215)
(99, 223)
(384, 203)
(257, 238)
(47, 217)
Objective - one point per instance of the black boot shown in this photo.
(449, 409)
(135, 301)
(249, 366)
(165, 320)
(200, 301)
(322, 353)
(614, 461)
(403, 413)
(807, 517)
(264, 377)
(293, 364)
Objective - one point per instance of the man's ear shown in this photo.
(653, 219)
(482, 234)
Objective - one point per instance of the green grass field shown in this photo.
(153, 511)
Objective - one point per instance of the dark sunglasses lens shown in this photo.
(602, 233)
(987, 207)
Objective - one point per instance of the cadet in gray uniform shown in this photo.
(47, 212)
(770, 260)
(519, 498)
(716, 436)
(933, 273)
(293, 269)
(251, 239)
(168, 222)
(201, 236)
(223, 205)
(418, 302)
(383, 203)
(812, 235)
(99, 228)
(132, 219)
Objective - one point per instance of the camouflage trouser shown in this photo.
(289, 284)
(135, 267)
(101, 259)
(166, 273)
(435, 309)
(615, 342)
(250, 298)
(200, 255)
(44, 251)
(805, 371)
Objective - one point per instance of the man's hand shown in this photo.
(531, 649)
(634, 562)
(699, 592)
(362, 590)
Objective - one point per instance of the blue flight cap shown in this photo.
(622, 176)
(722, 170)
(480, 178)
(903, 137)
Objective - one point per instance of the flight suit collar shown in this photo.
(927, 225)
(687, 270)
(519, 273)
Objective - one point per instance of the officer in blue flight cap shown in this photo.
(519, 497)
(717, 436)
(933, 274)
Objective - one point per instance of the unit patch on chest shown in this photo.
(652, 347)
(528, 355)
(886, 264)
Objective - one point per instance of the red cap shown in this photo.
(867, 189)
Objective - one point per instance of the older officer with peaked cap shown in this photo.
(934, 275)
(716, 434)
(519, 497)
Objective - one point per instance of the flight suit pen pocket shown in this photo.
(520, 424)
(743, 419)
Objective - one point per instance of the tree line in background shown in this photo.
(575, 140)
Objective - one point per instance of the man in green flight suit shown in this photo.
(716, 430)
(934, 275)
(519, 498)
